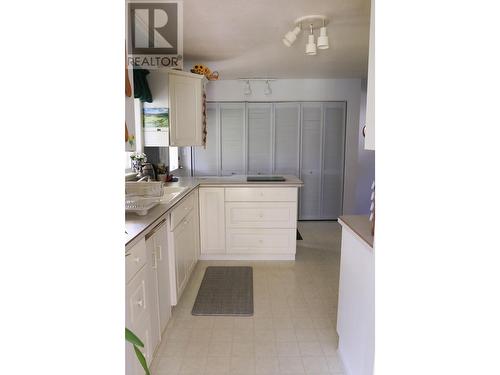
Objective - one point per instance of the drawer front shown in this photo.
(182, 209)
(261, 194)
(261, 215)
(261, 241)
(135, 258)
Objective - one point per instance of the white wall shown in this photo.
(348, 90)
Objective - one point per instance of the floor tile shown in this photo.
(219, 349)
(308, 348)
(291, 365)
(217, 365)
(267, 365)
(265, 349)
(287, 349)
(193, 365)
(169, 366)
(293, 330)
(315, 365)
(242, 365)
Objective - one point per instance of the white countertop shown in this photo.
(136, 226)
(360, 225)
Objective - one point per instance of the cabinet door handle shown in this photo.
(155, 264)
(140, 303)
(137, 259)
(160, 252)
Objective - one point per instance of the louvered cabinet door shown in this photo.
(259, 122)
(311, 161)
(206, 157)
(286, 138)
(332, 180)
(232, 128)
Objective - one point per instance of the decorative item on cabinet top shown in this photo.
(203, 70)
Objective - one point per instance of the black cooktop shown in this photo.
(265, 178)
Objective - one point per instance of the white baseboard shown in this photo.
(247, 257)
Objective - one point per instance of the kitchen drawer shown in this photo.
(182, 210)
(135, 258)
(260, 241)
(253, 194)
(261, 215)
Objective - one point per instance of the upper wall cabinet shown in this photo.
(370, 98)
(185, 91)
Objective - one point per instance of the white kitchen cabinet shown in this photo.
(356, 303)
(138, 305)
(259, 139)
(151, 269)
(184, 244)
(248, 223)
(370, 96)
(212, 222)
(185, 91)
(157, 239)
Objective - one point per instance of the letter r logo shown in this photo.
(153, 28)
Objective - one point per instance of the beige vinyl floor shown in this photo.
(293, 328)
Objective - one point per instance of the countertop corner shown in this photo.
(360, 225)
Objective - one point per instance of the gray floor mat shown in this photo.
(225, 291)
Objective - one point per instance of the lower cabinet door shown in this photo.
(261, 241)
(181, 248)
(151, 268)
(137, 314)
(212, 223)
(163, 277)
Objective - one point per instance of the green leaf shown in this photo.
(132, 338)
(142, 360)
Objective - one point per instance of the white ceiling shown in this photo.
(242, 38)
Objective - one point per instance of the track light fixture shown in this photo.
(267, 90)
(315, 22)
(291, 36)
(311, 46)
(247, 90)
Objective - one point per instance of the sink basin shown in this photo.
(170, 192)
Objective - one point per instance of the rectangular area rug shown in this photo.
(225, 291)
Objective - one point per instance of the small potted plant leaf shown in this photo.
(137, 343)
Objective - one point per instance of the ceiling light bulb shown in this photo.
(323, 39)
(291, 36)
(311, 46)
(267, 90)
(248, 89)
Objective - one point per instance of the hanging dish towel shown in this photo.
(141, 87)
